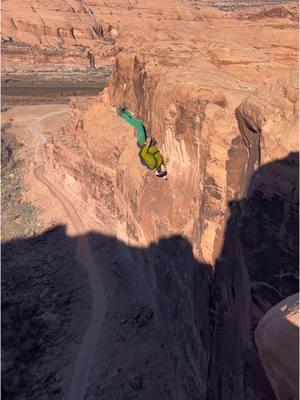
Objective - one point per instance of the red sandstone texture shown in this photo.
(219, 92)
(41, 34)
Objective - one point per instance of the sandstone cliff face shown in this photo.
(257, 268)
(257, 263)
(277, 338)
(215, 140)
(223, 227)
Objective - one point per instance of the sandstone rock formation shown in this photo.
(39, 34)
(224, 145)
(219, 92)
(277, 338)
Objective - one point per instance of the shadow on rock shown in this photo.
(46, 306)
(257, 268)
(205, 322)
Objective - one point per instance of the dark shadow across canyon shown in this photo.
(204, 320)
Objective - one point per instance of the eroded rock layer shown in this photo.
(37, 34)
(221, 142)
(219, 92)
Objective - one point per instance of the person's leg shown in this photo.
(138, 125)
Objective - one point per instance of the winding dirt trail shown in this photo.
(83, 363)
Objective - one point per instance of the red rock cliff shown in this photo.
(230, 204)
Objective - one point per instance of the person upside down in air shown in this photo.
(149, 154)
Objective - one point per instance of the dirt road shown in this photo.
(82, 367)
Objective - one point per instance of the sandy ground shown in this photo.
(116, 352)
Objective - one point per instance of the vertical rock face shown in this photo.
(219, 152)
(258, 266)
(277, 339)
(177, 286)
(194, 124)
(230, 203)
(224, 147)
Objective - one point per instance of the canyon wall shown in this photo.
(220, 153)
(229, 204)
(215, 246)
